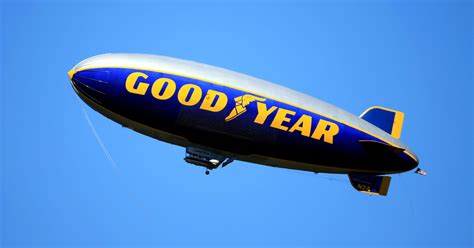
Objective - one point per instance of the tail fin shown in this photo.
(370, 184)
(391, 121)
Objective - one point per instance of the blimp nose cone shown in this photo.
(70, 73)
(91, 84)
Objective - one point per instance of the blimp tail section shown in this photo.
(389, 120)
(370, 184)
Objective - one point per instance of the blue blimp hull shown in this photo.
(257, 123)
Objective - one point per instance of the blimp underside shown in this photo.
(220, 116)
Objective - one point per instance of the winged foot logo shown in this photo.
(241, 103)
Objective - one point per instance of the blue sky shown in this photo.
(59, 189)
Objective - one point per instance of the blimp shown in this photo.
(220, 116)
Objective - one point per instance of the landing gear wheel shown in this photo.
(207, 172)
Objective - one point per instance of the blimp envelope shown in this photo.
(220, 116)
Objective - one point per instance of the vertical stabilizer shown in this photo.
(389, 120)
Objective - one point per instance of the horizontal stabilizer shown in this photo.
(370, 184)
(390, 121)
(379, 147)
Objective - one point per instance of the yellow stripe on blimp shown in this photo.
(244, 90)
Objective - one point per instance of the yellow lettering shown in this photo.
(184, 93)
(158, 85)
(210, 98)
(326, 129)
(263, 113)
(132, 79)
(280, 118)
(303, 125)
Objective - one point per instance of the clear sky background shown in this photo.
(59, 189)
